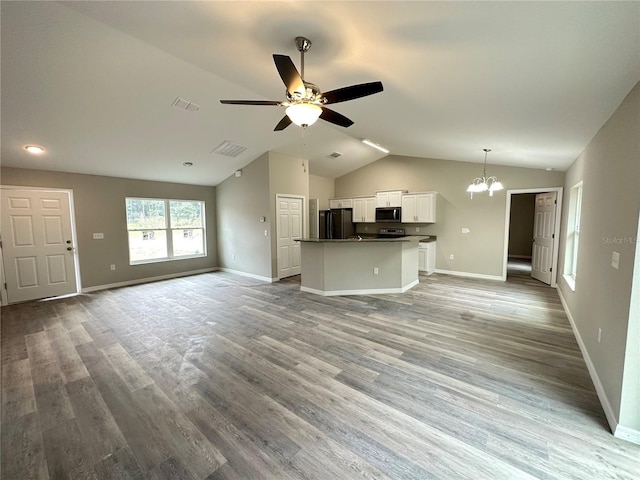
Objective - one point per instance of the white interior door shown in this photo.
(37, 244)
(290, 226)
(543, 233)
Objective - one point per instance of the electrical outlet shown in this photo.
(113, 266)
(599, 335)
(465, 230)
(266, 233)
(417, 229)
(375, 270)
(451, 257)
(233, 256)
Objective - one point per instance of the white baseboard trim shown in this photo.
(250, 275)
(368, 291)
(470, 275)
(146, 280)
(628, 434)
(602, 396)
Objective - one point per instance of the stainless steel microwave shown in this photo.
(389, 214)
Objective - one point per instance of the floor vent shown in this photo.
(183, 104)
(334, 155)
(229, 149)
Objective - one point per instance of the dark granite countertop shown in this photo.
(408, 238)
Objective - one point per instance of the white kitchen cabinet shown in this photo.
(427, 257)
(419, 207)
(340, 203)
(364, 210)
(389, 198)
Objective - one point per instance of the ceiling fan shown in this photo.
(305, 102)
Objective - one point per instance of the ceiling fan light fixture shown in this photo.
(304, 114)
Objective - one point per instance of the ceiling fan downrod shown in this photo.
(303, 45)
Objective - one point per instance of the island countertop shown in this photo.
(408, 238)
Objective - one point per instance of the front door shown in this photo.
(543, 234)
(37, 243)
(290, 227)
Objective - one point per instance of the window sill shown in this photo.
(165, 259)
(571, 282)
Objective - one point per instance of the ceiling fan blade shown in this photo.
(282, 124)
(250, 102)
(352, 92)
(335, 117)
(289, 74)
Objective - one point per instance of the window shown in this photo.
(155, 236)
(573, 236)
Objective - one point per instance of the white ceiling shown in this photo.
(93, 82)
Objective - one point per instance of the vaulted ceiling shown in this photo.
(94, 82)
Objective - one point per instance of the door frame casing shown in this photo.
(304, 225)
(556, 238)
(74, 235)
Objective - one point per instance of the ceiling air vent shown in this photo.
(229, 149)
(334, 155)
(183, 104)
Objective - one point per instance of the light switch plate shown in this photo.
(98, 236)
(615, 260)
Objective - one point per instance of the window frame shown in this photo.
(168, 229)
(573, 235)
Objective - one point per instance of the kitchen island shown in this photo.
(359, 266)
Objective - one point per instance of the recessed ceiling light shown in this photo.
(548, 169)
(366, 141)
(188, 164)
(34, 149)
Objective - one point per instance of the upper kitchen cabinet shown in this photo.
(340, 203)
(364, 210)
(419, 207)
(389, 198)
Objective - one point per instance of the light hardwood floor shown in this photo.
(218, 376)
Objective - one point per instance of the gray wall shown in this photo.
(478, 252)
(610, 170)
(323, 189)
(287, 175)
(241, 201)
(100, 207)
(523, 208)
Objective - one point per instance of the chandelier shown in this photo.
(484, 183)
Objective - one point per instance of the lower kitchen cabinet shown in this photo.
(427, 257)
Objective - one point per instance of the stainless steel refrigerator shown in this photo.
(337, 223)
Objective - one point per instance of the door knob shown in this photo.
(69, 248)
